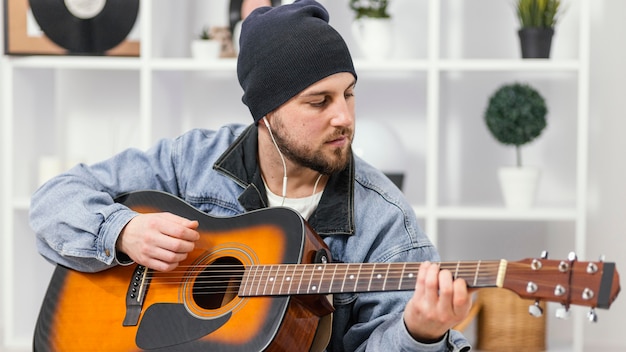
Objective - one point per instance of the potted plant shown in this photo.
(537, 21)
(372, 28)
(370, 8)
(516, 115)
(204, 46)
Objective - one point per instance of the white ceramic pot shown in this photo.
(374, 37)
(519, 185)
(206, 49)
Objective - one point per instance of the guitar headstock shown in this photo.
(569, 281)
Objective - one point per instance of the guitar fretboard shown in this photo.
(300, 279)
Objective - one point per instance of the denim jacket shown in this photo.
(361, 216)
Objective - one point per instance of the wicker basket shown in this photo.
(504, 323)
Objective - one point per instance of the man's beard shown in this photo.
(303, 155)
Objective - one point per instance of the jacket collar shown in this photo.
(335, 212)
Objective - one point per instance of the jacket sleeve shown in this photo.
(390, 332)
(74, 215)
(388, 232)
(392, 335)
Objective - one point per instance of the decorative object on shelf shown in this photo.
(223, 35)
(372, 28)
(516, 115)
(205, 46)
(505, 325)
(378, 144)
(70, 27)
(237, 12)
(537, 20)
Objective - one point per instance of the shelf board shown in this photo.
(420, 211)
(508, 65)
(75, 62)
(22, 203)
(391, 65)
(495, 213)
(503, 213)
(469, 65)
(189, 64)
(230, 64)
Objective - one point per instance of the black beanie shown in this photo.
(285, 49)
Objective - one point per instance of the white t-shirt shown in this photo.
(305, 206)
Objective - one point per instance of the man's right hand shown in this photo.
(159, 241)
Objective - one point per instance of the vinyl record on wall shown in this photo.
(86, 26)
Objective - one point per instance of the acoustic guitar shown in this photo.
(259, 282)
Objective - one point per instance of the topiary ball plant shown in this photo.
(516, 115)
(370, 8)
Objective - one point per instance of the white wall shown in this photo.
(607, 167)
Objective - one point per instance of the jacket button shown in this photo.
(107, 252)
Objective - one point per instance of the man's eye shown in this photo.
(319, 103)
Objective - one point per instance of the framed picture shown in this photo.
(24, 36)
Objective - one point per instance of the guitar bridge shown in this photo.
(135, 295)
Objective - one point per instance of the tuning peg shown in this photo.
(535, 310)
(592, 316)
(572, 256)
(562, 312)
(602, 258)
(544, 255)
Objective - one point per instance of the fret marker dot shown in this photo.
(314, 288)
(351, 277)
(410, 275)
(288, 278)
(271, 279)
(319, 267)
(379, 276)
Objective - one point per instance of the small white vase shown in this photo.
(519, 186)
(374, 37)
(206, 49)
(236, 34)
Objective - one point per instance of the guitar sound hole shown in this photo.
(218, 284)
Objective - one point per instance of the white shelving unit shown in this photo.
(87, 108)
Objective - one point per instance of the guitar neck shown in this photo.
(302, 279)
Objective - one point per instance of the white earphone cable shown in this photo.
(281, 158)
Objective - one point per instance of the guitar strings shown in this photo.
(227, 279)
(309, 269)
(293, 268)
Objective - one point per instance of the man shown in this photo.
(298, 81)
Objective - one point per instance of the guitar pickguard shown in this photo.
(165, 325)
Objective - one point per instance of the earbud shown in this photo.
(267, 123)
